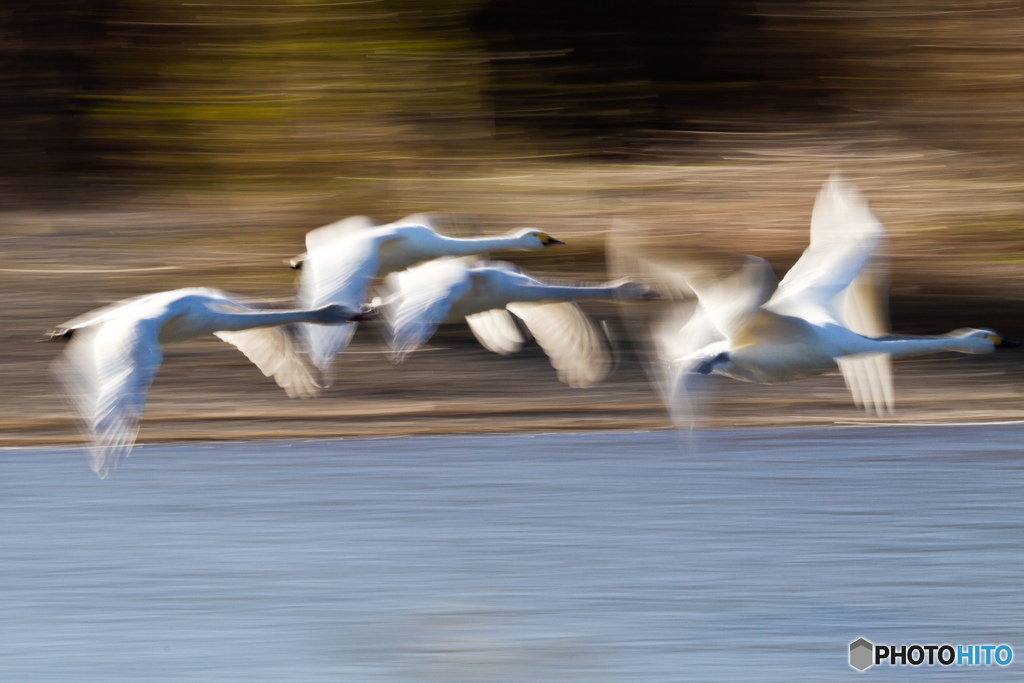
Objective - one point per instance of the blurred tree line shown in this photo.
(173, 93)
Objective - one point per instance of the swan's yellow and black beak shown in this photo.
(1003, 343)
(547, 240)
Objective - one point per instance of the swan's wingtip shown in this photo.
(101, 462)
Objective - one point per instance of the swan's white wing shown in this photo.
(730, 287)
(865, 311)
(274, 353)
(869, 379)
(865, 308)
(573, 344)
(139, 303)
(844, 235)
(427, 220)
(642, 323)
(708, 295)
(497, 331)
(678, 336)
(107, 371)
(423, 297)
(338, 272)
(841, 277)
(448, 224)
(339, 230)
(100, 315)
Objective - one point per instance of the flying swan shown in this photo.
(485, 294)
(342, 260)
(828, 311)
(114, 352)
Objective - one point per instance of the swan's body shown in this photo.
(827, 313)
(485, 294)
(113, 355)
(343, 259)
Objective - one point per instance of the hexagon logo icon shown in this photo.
(862, 654)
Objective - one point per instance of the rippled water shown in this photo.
(748, 555)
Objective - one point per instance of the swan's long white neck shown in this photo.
(478, 245)
(562, 293)
(232, 322)
(182, 327)
(904, 347)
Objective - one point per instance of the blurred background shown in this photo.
(154, 144)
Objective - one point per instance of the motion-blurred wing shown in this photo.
(447, 224)
(731, 289)
(730, 286)
(119, 309)
(107, 371)
(628, 259)
(426, 219)
(678, 336)
(337, 231)
(274, 353)
(335, 272)
(497, 331)
(869, 379)
(573, 344)
(865, 311)
(844, 235)
(423, 297)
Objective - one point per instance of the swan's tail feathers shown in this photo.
(324, 342)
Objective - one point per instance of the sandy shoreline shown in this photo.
(489, 394)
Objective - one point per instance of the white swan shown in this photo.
(113, 353)
(342, 259)
(829, 311)
(485, 294)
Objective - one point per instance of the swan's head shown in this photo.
(628, 290)
(531, 238)
(334, 314)
(977, 341)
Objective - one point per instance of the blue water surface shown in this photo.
(751, 555)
